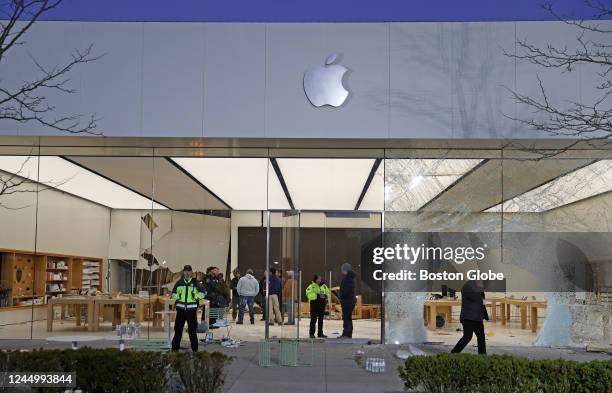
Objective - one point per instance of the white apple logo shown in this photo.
(323, 84)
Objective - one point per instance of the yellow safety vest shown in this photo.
(314, 290)
(187, 294)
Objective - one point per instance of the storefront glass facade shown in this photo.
(121, 216)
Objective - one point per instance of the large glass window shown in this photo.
(22, 289)
(93, 239)
(434, 209)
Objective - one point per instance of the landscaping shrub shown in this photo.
(466, 373)
(112, 371)
(200, 372)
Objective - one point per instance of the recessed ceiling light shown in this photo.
(60, 174)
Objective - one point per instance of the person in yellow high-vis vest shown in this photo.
(317, 293)
(187, 294)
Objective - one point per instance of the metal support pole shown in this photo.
(299, 315)
(267, 304)
(297, 267)
(382, 295)
(331, 309)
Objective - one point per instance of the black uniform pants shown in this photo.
(317, 312)
(191, 317)
(469, 328)
(235, 306)
(347, 318)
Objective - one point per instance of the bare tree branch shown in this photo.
(21, 181)
(29, 102)
(591, 120)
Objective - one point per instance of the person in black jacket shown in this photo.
(262, 296)
(473, 312)
(235, 296)
(214, 291)
(347, 299)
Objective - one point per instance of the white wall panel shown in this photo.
(112, 85)
(421, 82)
(51, 47)
(234, 80)
(70, 225)
(292, 49)
(124, 238)
(172, 72)
(560, 86)
(481, 75)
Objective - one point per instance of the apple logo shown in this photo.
(323, 84)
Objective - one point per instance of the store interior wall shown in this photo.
(69, 225)
(189, 238)
(307, 220)
(65, 224)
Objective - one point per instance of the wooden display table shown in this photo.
(120, 304)
(433, 307)
(524, 306)
(93, 304)
(78, 302)
(492, 302)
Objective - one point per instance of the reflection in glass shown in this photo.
(22, 280)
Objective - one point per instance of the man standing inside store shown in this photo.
(274, 291)
(187, 295)
(347, 299)
(235, 296)
(290, 297)
(262, 296)
(473, 312)
(247, 289)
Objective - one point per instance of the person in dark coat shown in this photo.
(215, 292)
(235, 296)
(262, 296)
(347, 299)
(274, 292)
(473, 312)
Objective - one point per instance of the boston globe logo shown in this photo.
(323, 84)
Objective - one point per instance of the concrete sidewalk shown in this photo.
(336, 368)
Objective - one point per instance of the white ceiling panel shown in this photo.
(412, 183)
(171, 187)
(239, 182)
(325, 183)
(58, 173)
(591, 180)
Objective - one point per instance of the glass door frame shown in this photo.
(298, 317)
(299, 212)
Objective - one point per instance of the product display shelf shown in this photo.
(32, 278)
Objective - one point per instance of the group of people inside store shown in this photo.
(244, 291)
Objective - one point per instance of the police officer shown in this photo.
(187, 294)
(317, 293)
